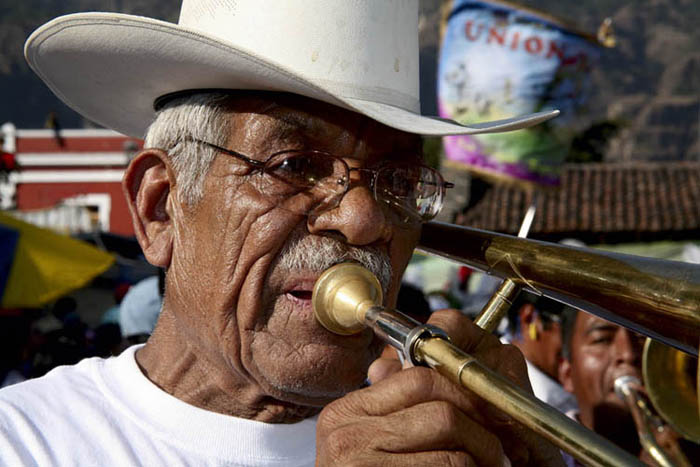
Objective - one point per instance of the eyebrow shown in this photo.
(601, 327)
(292, 127)
(289, 125)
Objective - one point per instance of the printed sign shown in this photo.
(499, 61)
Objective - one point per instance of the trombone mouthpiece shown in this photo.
(623, 383)
(342, 296)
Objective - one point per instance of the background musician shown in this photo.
(596, 352)
(534, 328)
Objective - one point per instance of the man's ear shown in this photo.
(147, 186)
(526, 315)
(564, 375)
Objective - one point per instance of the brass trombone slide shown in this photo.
(347, 298)
(657, 298)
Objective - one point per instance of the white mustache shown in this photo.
(304, 251)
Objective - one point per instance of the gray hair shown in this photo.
(202, 116)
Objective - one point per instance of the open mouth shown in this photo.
(298, 289)
(301, 294)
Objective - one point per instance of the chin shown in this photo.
(615, 422)
(320, 379)
(316, 392)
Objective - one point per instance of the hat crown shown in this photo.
(361, 49)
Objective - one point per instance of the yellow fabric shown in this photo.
(48, 265)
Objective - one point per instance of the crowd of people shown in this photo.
(35, 341)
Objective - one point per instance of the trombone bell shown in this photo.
(670, 381)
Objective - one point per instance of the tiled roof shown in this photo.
(601, 203)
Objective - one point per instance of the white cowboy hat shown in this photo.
(361, 55)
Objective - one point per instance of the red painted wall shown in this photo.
(98, 144)
(45, 195)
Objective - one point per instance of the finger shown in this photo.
(390, 352)
(451, 458)
(399, 391)
(509, 362)
(506, 359)
(382, 368)
(438, 426)
(462, 331)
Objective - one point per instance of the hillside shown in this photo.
(650, 82)
(26, 100)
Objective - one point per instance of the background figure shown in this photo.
(14, 338)
(106, 340)
(596, 352)
(63, 340)
(112, 314)
(140, 308)
(413, 302)
(480, 288)
(534, 327)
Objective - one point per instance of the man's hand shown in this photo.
(416, 416)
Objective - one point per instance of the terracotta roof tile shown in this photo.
(618, 202)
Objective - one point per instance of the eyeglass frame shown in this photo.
(260, 165)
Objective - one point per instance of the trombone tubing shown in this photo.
(347, 297)
(567, 434)
(657, 298)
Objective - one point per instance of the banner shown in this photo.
(499, 60)
(38, 266)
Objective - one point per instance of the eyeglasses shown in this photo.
(305, 181)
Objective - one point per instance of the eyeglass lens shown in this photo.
(305, 182)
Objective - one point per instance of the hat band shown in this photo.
(372, 94)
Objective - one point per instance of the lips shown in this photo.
(296, 291)
(625, 370)
(301, 294)
(299, 288)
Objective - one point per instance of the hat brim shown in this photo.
(131, 61)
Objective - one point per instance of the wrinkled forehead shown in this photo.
(268, 119)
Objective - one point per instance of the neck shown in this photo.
(614, 423)
(171, 361)
(533, 354)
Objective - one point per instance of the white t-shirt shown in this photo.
(105, 412)
(545, 388)
(550, 391)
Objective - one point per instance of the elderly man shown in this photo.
(245, 197)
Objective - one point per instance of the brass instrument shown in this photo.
(656, 298)
(670, 383)
(660, 299)
(628, 388)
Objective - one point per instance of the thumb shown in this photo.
(382, 368)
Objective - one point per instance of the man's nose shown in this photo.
(626, 348)
(358, 217)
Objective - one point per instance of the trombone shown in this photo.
(628, 388)
(660, 299)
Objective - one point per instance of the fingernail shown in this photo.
(506, 461)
